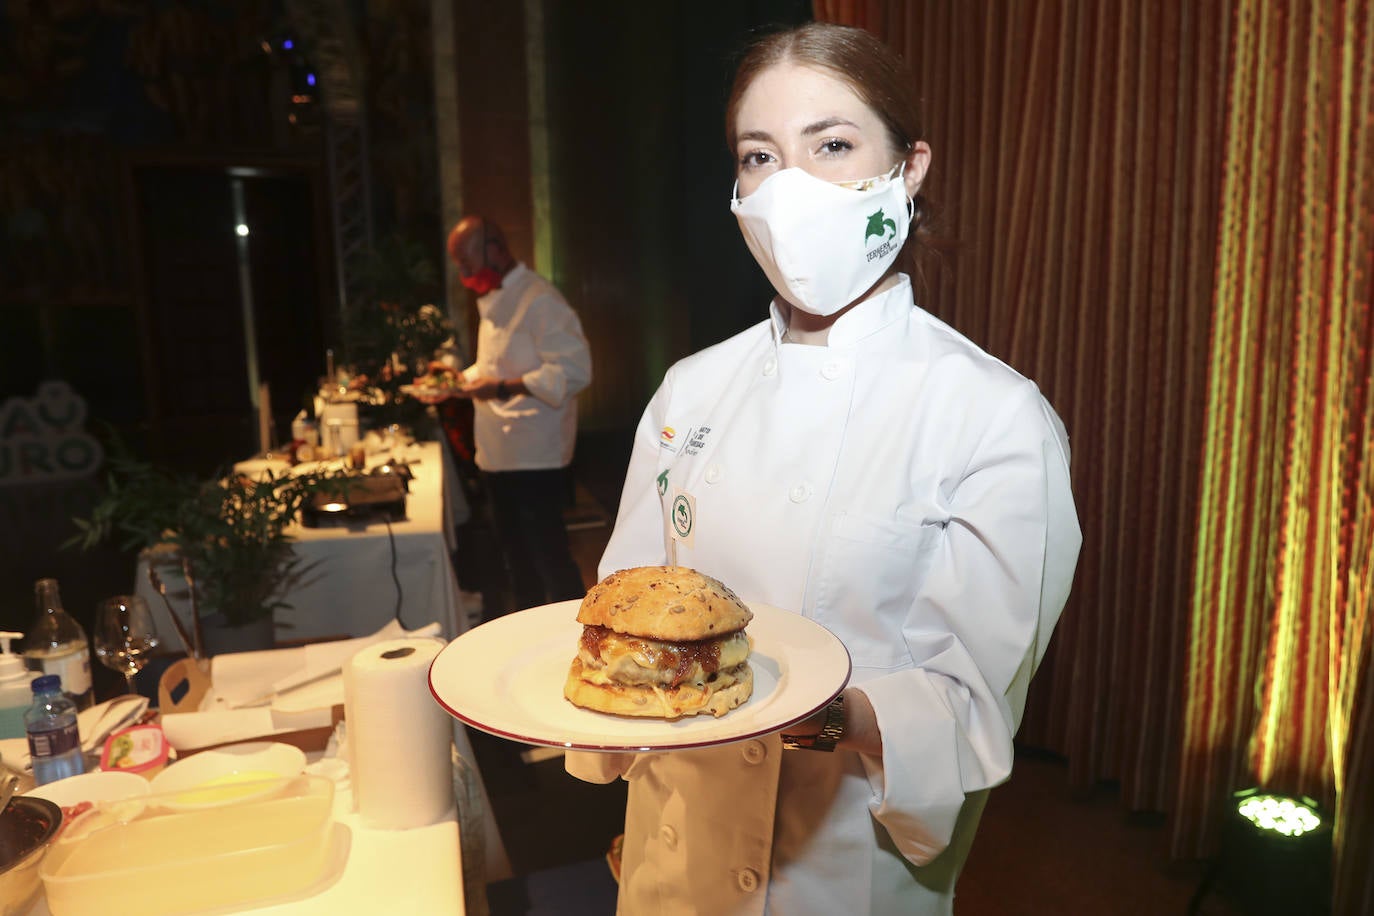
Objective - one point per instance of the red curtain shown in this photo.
(1162, 214)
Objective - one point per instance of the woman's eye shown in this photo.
(754, 158)
(835, 146)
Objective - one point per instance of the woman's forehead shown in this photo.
(791, 96)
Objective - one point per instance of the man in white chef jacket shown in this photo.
(532, 361)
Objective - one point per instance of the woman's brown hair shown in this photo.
(872, 71)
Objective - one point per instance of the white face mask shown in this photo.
(822, 244)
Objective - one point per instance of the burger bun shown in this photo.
(671, 603)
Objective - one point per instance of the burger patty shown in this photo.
(611, 657)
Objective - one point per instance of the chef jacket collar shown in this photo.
(511, 280)
(868, 317)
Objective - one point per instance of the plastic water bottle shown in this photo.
(54, 739)
(57, 644)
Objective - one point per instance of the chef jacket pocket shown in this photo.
(870, 573)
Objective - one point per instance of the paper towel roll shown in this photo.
(398, 736)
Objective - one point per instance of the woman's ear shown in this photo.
(917, 164)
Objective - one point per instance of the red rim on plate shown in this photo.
(506, 676)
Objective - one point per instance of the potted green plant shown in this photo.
(392, 330)
(231, 530)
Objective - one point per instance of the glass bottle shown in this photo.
(54, 738)
(57, 644)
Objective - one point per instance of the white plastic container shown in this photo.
(15, 695)
(245, 852)
(339, 426)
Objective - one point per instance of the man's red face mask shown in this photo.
(483, 281)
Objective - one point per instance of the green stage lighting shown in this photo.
(1276, 854)
(1289, 816)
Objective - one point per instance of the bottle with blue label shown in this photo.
(15, 694)
(54, 739)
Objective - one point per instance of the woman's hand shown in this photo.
(861, 733)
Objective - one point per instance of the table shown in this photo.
(350, 590)
(419, 870)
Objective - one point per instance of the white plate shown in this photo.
(94, 787)
(233, 773)
(430, 395)
(506, 677)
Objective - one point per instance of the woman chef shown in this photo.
(855, 460)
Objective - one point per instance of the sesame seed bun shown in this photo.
(671, 603)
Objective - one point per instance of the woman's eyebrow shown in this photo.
(816, 127)
(826, 124)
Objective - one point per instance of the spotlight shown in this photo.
(242, 230)
(1276, 853)
(1290, 817)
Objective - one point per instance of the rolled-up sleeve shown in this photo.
(565, 361)
(976, 630)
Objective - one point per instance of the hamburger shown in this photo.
(661, 642)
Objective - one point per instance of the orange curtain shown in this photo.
(1161, 213)
(1285, 570)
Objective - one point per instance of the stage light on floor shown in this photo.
(1288, 816)
(1276, 853)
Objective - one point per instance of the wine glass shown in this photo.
(125, 635)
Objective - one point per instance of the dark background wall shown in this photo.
(646, 248)
(122, 126)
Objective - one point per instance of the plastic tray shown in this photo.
(268, 841)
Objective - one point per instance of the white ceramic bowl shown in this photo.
(227, 774)
(95, 787)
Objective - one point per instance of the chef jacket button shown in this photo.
(832, 370)
(714, 474)
(754, 752)
(800, 493)
(770, 365)
(748, 880)
(669, 836)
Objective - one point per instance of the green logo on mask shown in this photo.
(879, 225)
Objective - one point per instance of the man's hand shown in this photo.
(486, 387)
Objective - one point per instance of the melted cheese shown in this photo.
(634, 660)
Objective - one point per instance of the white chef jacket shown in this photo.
(909, 492)
(526, 329)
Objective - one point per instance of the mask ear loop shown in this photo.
(900, 168)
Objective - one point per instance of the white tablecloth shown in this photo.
(349, 590)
